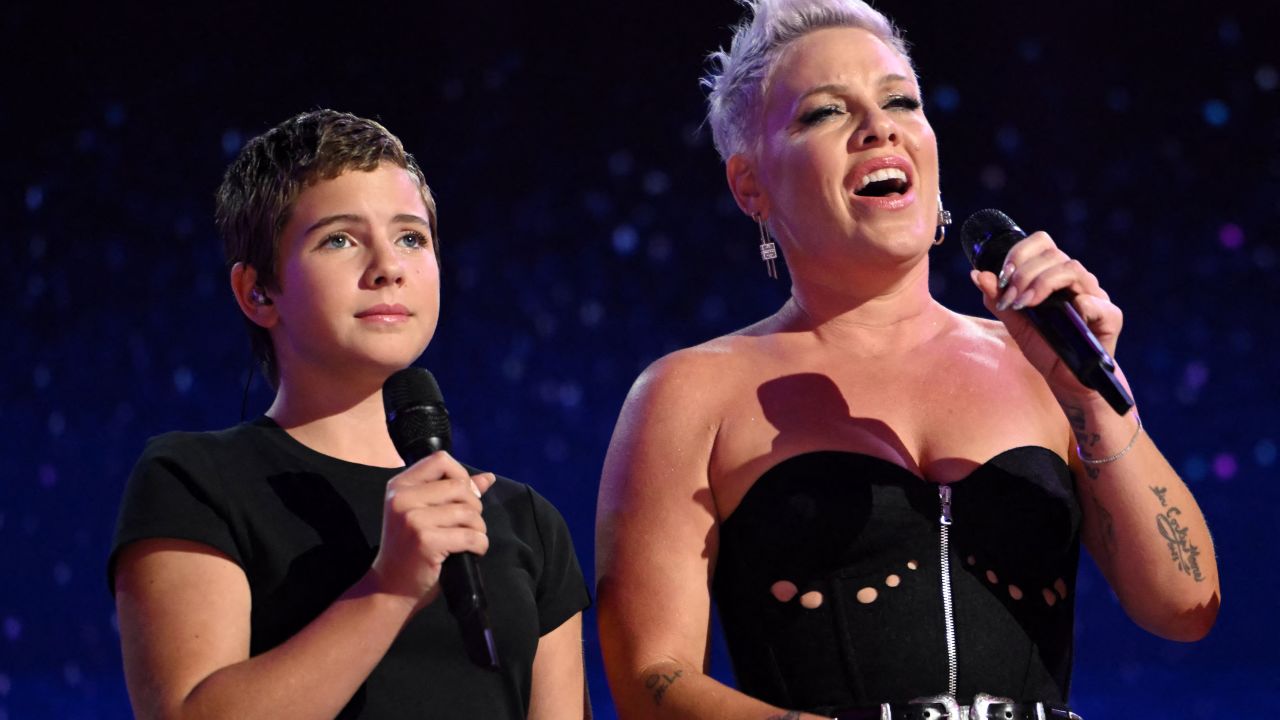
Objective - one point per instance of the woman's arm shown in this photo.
(656, 544)
(559, 684)
(1141, 524)
(184, 611)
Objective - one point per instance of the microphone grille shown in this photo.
(416, 416)
(409, 387)
(978, 233)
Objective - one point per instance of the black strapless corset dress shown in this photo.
(838, 583)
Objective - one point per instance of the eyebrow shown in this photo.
(837, 88)
(348, 217)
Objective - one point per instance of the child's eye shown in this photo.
(414, 240)
(336, 240)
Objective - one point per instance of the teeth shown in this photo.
(882, 174)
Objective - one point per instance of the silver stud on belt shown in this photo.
(979, 710)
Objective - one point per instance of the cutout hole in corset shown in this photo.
(783, 590)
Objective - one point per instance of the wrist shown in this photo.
(371, 588)
(1075, 394)
(1088, 403)
(1092, 459)
(1102, 436)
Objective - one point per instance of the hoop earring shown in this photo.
(944, 219)
(768, 250)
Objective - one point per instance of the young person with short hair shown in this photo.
(289, 566)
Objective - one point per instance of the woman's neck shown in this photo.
(871, 315)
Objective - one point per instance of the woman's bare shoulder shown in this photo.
(714, 363)
(693, 386)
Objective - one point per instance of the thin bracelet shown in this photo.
(1117, 456)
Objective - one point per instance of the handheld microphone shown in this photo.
(986, 238)
(419, 426)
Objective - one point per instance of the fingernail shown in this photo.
(973, 275)
(1023, 299)
(475, 488)
(1006, 273)
(1007, 298)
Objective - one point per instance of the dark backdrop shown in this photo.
(586, 231)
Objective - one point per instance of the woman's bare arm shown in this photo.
(1141, 524)
(1143, 527)
(656, 544)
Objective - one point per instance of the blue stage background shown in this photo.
(586, 231)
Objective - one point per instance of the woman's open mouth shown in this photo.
(883, 183)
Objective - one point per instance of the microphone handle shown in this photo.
(460, 580)
(1068, 334)
(463, 591)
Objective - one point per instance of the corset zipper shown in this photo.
(944, 529)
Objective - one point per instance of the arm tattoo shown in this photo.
(1160, 493)
(792, 715)
(1107, 527)
(1085, 440)
(1181, 551)
(659, 683)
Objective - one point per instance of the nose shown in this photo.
(386, 267)
(877, 129)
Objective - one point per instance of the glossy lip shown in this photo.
(385, 313)
(896, 202)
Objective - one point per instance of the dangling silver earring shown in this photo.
(768, 250)
(944, 219)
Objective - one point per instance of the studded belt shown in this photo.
(945, 707)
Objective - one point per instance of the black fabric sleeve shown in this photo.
(174, 491)
(561, 589)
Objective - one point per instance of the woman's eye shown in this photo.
(336, 240)
(817, 115)
(414, 240)
(903, 102)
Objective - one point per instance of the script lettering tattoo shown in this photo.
(1160, 493)
(659, 683)
(792, 715)
(1084, 438)
(1181, 551)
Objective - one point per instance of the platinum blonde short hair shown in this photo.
(736, 81)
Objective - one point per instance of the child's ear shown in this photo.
(254, 300)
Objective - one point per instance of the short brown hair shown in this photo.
(262, 184)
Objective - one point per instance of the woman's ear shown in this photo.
(744, 183)
(252, 297)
